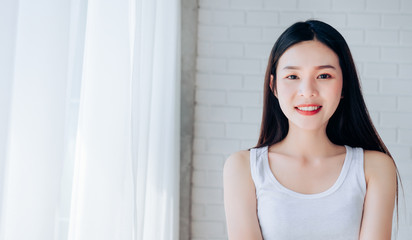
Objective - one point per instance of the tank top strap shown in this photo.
(257, 166)
(358, 170)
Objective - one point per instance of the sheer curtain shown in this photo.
(90, 116)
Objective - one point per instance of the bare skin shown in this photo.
(306, 161)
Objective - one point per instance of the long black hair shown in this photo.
(350, 124)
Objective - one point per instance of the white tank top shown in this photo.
(333, 214)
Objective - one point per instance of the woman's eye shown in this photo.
(292, 77)
(324, 76)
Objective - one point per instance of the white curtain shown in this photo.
(90, 116)
(157, 49)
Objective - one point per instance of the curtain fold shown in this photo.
(34, 148)
(102, 205)
(156, 101)
(91, 119)
(8, 23)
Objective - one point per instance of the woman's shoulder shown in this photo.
(239, 158)
(237, 163)
(378, 165)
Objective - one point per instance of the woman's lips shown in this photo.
(308, 109)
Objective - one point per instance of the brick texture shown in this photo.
(234, 41)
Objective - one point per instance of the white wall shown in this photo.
(234, 41)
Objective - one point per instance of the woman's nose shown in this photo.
(307, 88)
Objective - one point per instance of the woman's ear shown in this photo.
(271, 86)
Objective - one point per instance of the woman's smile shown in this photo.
(308, 109)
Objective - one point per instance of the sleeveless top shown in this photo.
(333, 214)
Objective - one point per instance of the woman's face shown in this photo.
(308, 84)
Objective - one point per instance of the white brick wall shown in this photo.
(234, 41)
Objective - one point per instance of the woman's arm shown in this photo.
(380, 173)
(240, 198)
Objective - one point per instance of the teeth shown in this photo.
(310, 108)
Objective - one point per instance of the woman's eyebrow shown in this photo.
(317, 67)
(325, 66)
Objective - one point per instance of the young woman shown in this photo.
(320, 169)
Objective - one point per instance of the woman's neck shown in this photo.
(307, 143)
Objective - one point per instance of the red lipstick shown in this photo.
(308, 109)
